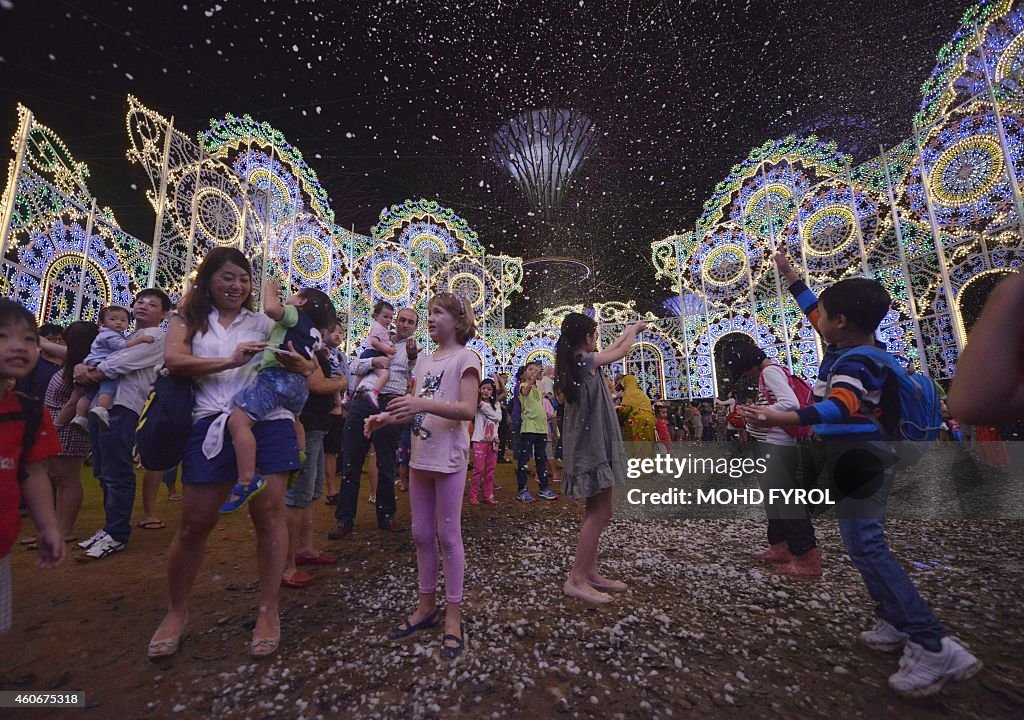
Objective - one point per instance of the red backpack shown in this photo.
(804, 397)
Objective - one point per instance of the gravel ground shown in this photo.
(703, 631)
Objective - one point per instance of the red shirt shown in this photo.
(661, 427)
(11, 434)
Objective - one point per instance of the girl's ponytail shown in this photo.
(575, 329)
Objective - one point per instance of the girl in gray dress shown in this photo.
(593, 457)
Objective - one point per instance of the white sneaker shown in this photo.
(103, 547)
(923, 673)
(80, 424)
(85, 544)
(884, 638)
(102, 416)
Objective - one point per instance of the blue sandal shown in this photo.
(451, 652)
(242, 494)
(406, 628)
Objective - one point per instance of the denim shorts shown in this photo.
(273, 388)
(277, 451)
(107, 386)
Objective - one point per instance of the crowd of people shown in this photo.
(277, 411)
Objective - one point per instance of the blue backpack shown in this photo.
(920, 412)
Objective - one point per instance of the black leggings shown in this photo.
(787, 522)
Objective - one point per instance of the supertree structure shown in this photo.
(542, 151)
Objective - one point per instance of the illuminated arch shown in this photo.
(646, 361)
(958, 309)
(60, 283)
(541, 354)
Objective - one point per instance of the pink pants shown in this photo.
(436, 502)
(485, 459)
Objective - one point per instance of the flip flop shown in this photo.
(150, 524)
(321, 559)
(176, 497)
(297, 581)
(27, 541)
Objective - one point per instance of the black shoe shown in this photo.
(340, 530)
(391, 527)
(405, 628)
(331, 499)
(450, 653)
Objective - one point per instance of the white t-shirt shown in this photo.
(215, 392)
(486, 417)
(774, 380)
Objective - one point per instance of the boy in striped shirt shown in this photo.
(851, 413)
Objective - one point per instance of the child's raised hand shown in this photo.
(639, 327)
(51, 548)
(782, 263)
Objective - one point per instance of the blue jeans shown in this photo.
(537, 442)
(896, 599)
(114, 468)
(310, 483)
(863, 483)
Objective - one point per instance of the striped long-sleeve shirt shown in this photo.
(855, 395)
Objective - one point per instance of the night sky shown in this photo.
(394, 100)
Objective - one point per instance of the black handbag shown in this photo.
(166, 422)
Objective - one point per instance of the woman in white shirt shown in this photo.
(213, 339)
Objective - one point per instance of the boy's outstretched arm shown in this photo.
(804, 296)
